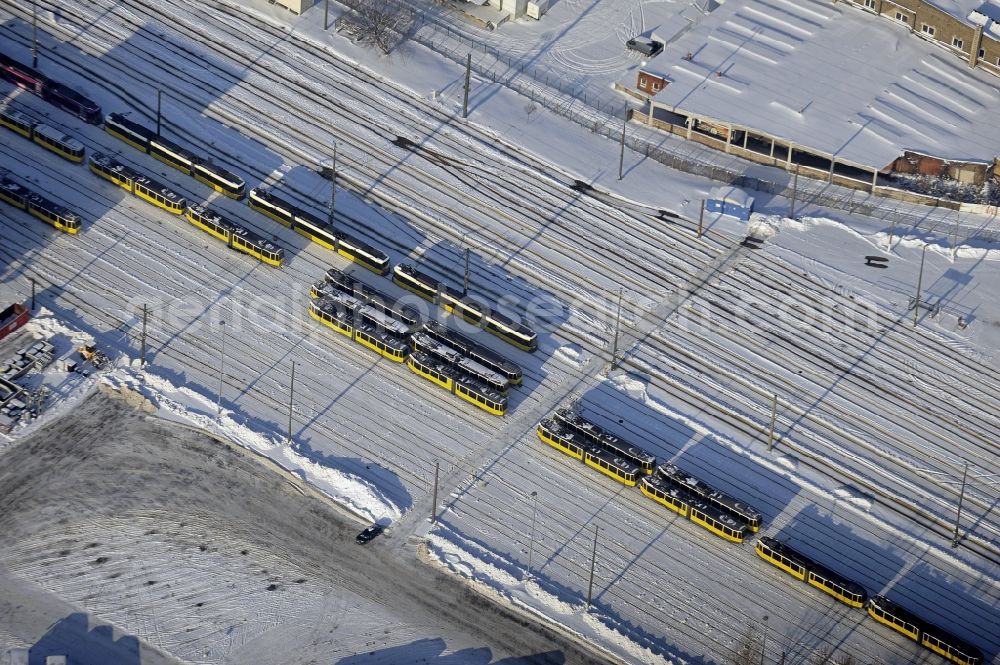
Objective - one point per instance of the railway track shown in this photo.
(319, 127)
(529, 262)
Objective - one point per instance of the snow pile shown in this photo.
(190, 407)
(854, 497)
(631, 385)
(183, 405)
(535, 596)
(44, 325)
(572, 354)
(765, 226)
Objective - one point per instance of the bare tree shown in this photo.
(530, 108)
(383, 23)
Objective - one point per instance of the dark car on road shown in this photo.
(369, 533)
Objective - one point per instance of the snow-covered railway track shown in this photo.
(582, 258)
(845, 403)
(640, 587)
(85, 269)
(951, 413)
(815, 364)
(730, 408)
(923, 350)
(463, 138)
(849, 449)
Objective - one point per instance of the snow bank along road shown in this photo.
(356, 413)
(189, 542)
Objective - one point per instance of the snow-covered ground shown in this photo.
(875, 414)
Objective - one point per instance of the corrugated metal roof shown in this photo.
(832, 78)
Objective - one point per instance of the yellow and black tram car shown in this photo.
(54, 214)
(141, 186)
(180, 158)
(22, 123)
(611, 465)
(566, 442)
(803, 568)
(48, 137)
(749, 514)
(49, 212)
(476, 351)
(13, 193)
(573, 444)
(511, 331)
(452, 301)
(346, 245)
(688, 505)
(456, 382)
(601, 437)
(420, 341)
(341, 281)
(137, 136)
(273, 206)
(318, 231)
(235, 236)
(928, 635)
(350, 318)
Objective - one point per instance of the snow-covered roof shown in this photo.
(960, 9)
(830, 78)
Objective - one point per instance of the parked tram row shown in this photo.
(38, 206)
(430, 349)
(323, 233)
(731, 519)
(50, 90)
(572, 434)
(435, 291)
(48, 137)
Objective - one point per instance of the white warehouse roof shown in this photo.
(831, 78)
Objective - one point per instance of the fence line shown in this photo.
(592, 114)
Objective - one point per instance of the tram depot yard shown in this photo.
(314, 354)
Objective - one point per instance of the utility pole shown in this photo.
(34, 34)
(32, 294)
(621, 154)
(618, 323)
(593, 564)
(763, 642)
(326, 15)
(333, 184)
(291, 400)
(892, 228)
(468, 78)
(920, 279)
(701, 216)
(222, 363)
(531, 546)
(961, 497)
(142, 350)
(774, 414)
(795, 189)
(159, 100)
(437, 467)
(465, 284)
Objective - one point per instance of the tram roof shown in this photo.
(17, 116)
(58, 136)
